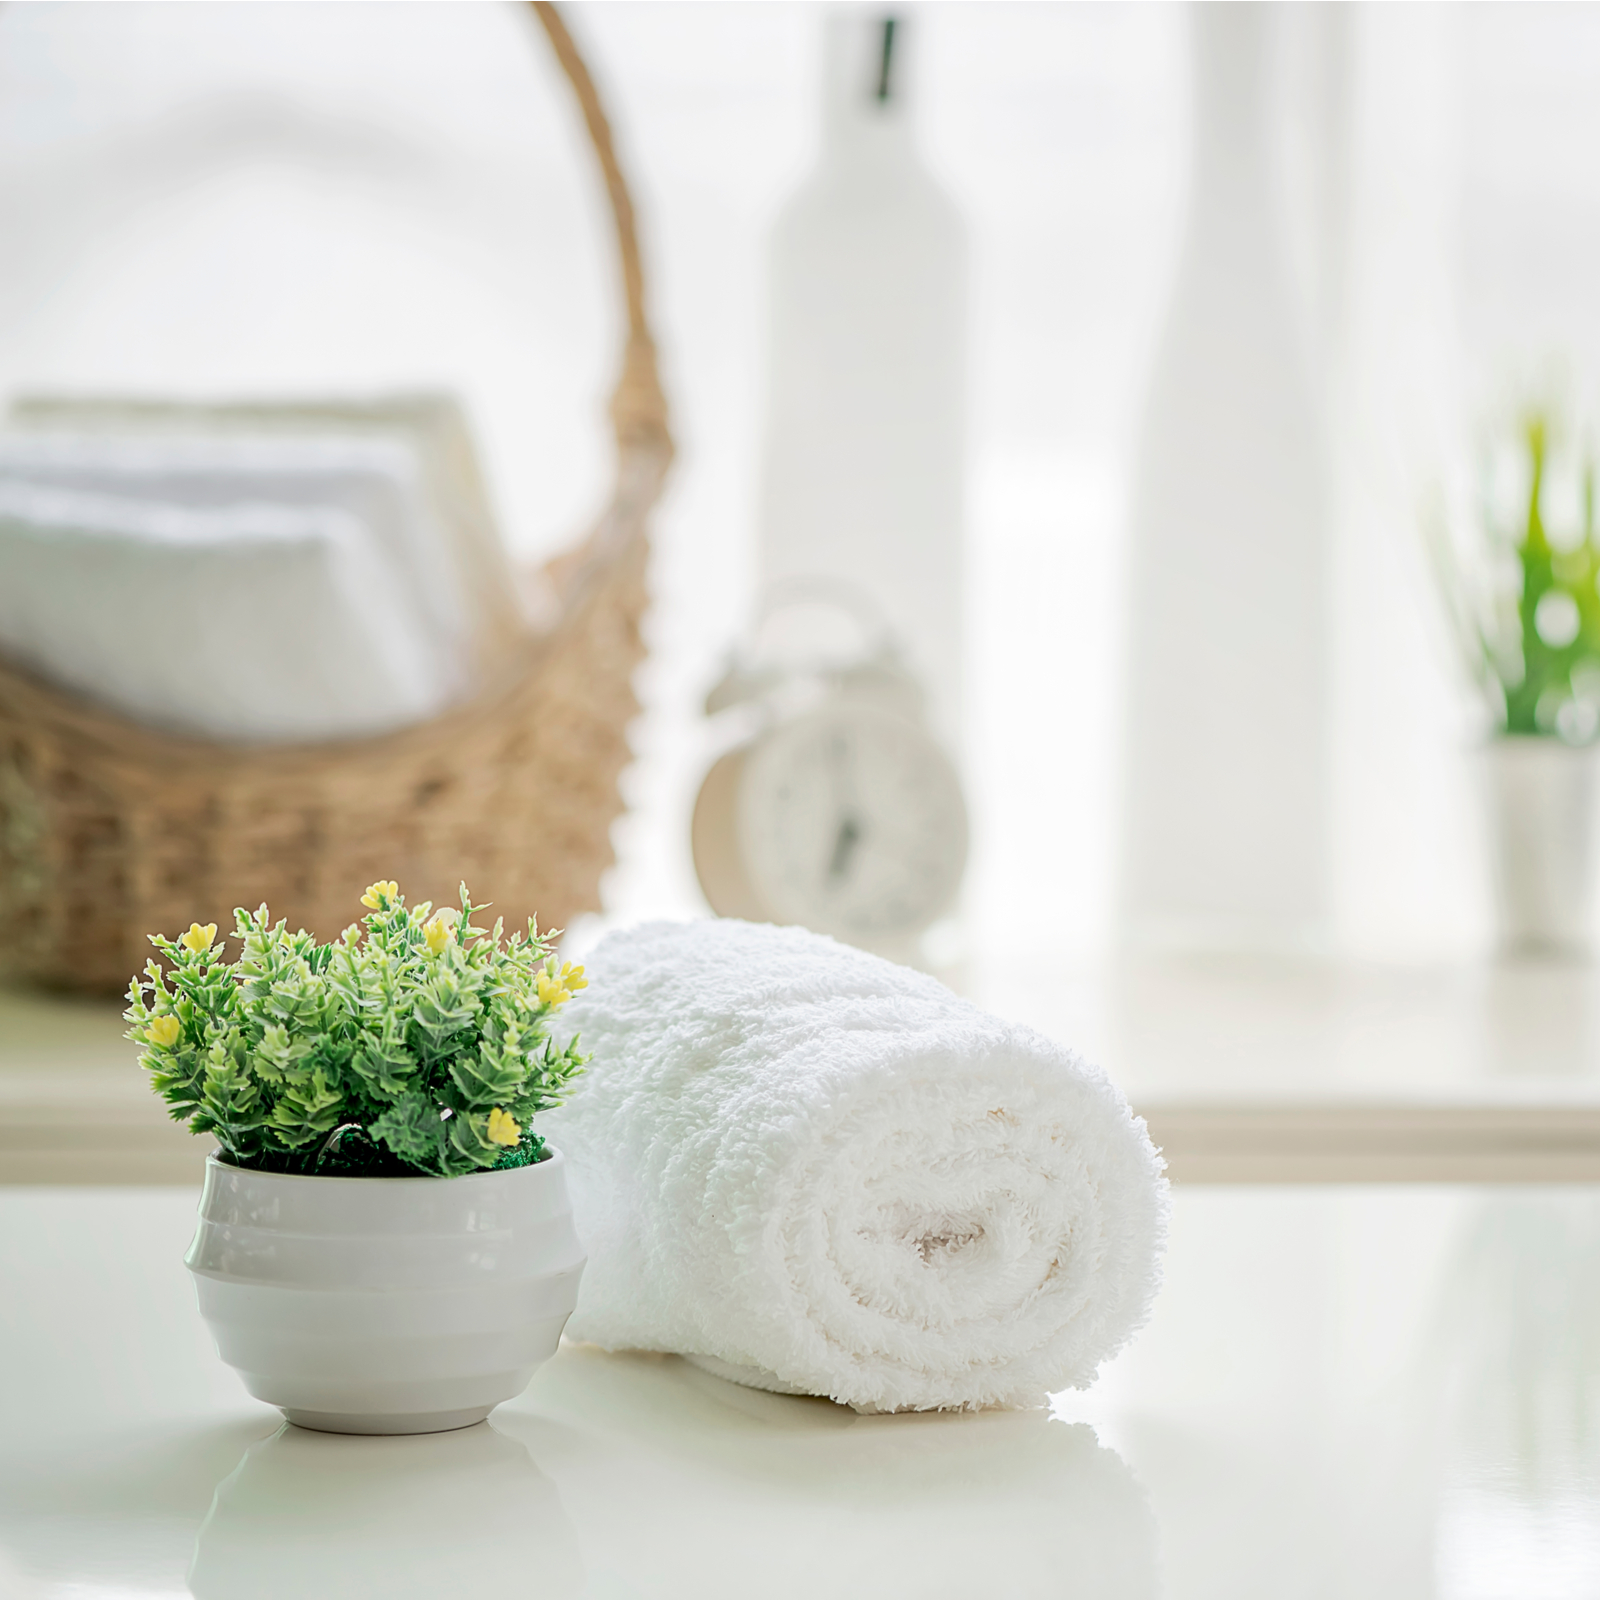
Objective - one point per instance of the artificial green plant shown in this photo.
(1530, 626)
(414, 1044)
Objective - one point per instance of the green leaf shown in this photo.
(232, 1102)
(411, 1129)
(309, 1109)
(470, 1143)
(385, 1069)
(493, 1075)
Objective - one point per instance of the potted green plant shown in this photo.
(1526, 612)
(385, 1243)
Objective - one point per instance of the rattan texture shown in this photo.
(110, 830)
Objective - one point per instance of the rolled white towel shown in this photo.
(817, 1172)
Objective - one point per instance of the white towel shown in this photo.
(817, 1172)
(243, 622)
(444, 501)
(394, 600)
(377, 481)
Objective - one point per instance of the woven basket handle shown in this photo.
(638, 407)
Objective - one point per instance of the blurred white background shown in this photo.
(297, 199)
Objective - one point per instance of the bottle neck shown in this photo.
(1230, 105)
(864, 112)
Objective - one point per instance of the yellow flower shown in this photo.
(163, 1031)
(503, 1127)
(379, 894)
(197, 938)
(440, 929)
(555, 989)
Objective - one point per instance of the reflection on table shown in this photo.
(1364, 1394)
(681, 1484)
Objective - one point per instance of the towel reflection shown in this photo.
(681, 1484)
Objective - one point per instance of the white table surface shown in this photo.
(1365, 1392)
(1225, 1027)
(1302, 1070)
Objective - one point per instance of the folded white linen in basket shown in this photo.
(242, 622)
(817, 1172)
(377, 481)
(410, 550)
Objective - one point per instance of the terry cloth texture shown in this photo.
(815, 1171)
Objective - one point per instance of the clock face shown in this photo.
(851, 822)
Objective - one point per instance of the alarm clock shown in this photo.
(838, 809)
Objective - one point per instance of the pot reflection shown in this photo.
(315, 1514)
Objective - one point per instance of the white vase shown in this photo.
(864, 461)
(386, 1305)
(1226, 767)
(1541, 796)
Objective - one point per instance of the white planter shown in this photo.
(386, 1305)
(1542, 819)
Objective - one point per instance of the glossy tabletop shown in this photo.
(1365, 1392)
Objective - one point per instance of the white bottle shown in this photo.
(1226, 771)
(863, 475)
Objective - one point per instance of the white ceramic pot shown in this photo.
(1542, 819)
(386, 1305)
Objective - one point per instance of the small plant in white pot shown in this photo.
(385, 1245)
(1527, 614)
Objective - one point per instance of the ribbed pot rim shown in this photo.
(551, 1161)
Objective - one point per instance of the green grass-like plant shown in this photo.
(416, 1044)
(1529, 621)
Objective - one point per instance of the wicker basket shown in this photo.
(109, 830)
